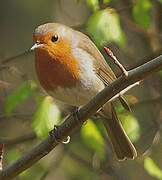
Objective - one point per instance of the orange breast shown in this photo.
(56, 66)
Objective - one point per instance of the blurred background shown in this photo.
(132, 29)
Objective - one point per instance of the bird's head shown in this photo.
(54, 38)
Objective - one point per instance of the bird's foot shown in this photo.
(52, 135)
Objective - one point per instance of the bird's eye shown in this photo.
(54, 38)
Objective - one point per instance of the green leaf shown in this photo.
(93, 4)
(104, 26)
(21, 94)
(152, 169)
(46, 116)
(106, 1)
(12, 155)
(130, 125)
(93, 138)
(142, 13)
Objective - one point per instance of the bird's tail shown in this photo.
(121, 143)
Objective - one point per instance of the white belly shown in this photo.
(78, 95)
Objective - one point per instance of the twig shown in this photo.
(10, 59)
(21, 139)
(125, 90)
(69, 126)
(15, 115)
(1, 156)
(113, 57)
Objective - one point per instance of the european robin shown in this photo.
(71, 69)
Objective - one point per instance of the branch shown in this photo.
(70, 125)
(1, 156)
(113, 57)
(14, 58)
(21, 139)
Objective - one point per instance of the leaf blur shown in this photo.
(46, 116)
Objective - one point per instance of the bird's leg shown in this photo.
(52, 133)
(75, 115)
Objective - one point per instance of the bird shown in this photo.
(71, 69)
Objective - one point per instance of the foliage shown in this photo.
(46, 116)
(12, 155)
(22, 93)
(131, 126)
(106, 2)
(129, 121)
(142, 13)
(93, 139)
(93, 4)
(152, 169)
(104, 26)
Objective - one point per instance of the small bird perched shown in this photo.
(71, 69)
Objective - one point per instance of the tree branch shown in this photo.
(1, 156)
(21, 139)
(70, 124)
(14, 58)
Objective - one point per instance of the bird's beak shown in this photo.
(35, 46)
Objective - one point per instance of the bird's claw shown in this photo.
(52, 134)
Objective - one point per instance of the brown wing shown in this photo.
(102, 69)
